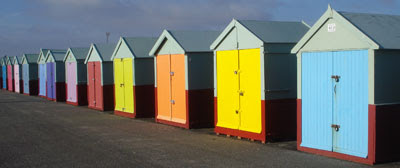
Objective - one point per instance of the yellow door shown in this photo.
(227, 89)
(250, 90)
(128, 85)
(119, 82)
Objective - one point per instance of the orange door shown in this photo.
(171, 96)
(178, 95)
(163, 87)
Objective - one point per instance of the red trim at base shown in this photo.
(298, 123)
(186, 126)
(371, 139)
(337, 155)
(96, 108)
(72, 103)
(124, 114)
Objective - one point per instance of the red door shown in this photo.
(95, 92)
(98, 87)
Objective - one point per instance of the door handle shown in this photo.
(336, 127)
(172, 101)
(121, 85)
(336, 77)
(172, 73)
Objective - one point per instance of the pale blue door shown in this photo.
(25, 77)
(42, 79)
(335, 101)
(350, 110)
(316, 95)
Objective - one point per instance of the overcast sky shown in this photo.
(28, 25)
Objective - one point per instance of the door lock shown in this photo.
(336, 127)
(172, 73)
(336, 77)
(237, 111)
(172, 101)
(241, 93)
(236, 72)
(121, 85)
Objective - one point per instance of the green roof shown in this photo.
(105, 50)
(276, 31)
(195, 41)
(140, 46)
(79, 53)
(31, 58)
(383, 29)
(58, 55)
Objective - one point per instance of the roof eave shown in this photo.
(222, 36)
(164, 35)
(331, 13)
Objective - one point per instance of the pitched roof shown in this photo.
(79, 53)
(31, 58)
(105, 50)
(58, 55)
(379, 31)
(383, 29)
(189, 41)
(276, 31)
(140, 46)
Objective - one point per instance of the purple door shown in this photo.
(71, 81)
(51, 89)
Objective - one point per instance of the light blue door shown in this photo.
(335, 101)
(42, 79)
(350, 111)
(4, 77)
(25, 77)
(317, 91)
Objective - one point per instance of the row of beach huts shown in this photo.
(334, 85)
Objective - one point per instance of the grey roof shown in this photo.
(276, 31)
(140, 46)
(383, 29)
(194, 41)
(31, 58)
(80, 53)
(58, 54)
(105, 50)
(19, 59)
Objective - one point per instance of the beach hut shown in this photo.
(3, 75)
(10, 74)
(76, 76)
(348, 96)
(42, 72)
(30, 74)
(184, 78)
(18, 82)
(55, 75)
(255, 79)
(134, 77)
(100, 77)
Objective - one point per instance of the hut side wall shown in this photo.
(108, 76)
(387, 88)
(143, 71)
(200, 71)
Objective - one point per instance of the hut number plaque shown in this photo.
(331, 27)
